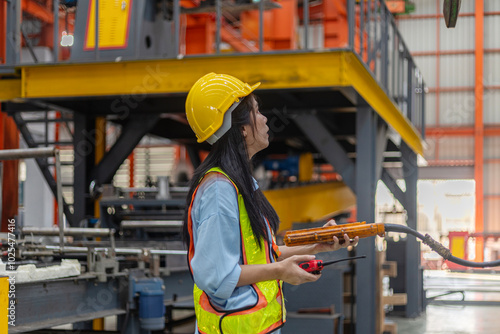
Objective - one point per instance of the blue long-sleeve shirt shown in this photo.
(216, 237)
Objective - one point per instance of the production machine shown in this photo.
(79, 274)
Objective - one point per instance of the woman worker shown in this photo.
(229, 226)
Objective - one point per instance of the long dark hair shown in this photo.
(230, 154)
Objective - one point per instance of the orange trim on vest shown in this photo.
(205, 304)
(272, 328)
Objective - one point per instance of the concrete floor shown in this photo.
(474, 308)
(448, 319)
(476, 311)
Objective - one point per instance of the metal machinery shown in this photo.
(356, 103)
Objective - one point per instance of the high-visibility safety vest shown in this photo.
(268, 313)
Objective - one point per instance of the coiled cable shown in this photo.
(438, 247)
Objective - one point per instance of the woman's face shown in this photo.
(257, 138)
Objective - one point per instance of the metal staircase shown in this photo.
(41, 120)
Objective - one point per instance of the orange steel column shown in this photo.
(336, 29)
(9, 139)
(479, 127)
(10, 183)
(56, 139)
(438, 82)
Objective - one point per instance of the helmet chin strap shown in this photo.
(226, 125)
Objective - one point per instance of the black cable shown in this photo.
(438, 247)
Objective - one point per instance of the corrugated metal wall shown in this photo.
(148, 162)
(446, 58)
(492, 115)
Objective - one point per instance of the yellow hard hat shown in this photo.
(209, 101)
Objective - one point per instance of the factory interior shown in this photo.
(380, 112)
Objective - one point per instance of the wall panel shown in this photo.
(419, 35)
(425, 7)
(456, 108)
(456, 148)
(491, 112)
(430, 109)
(490, 5)
(491, 178)
(427, 65)
(459, 38)
(491, 29)
(492, 215)
(456, 70)
(492, 147)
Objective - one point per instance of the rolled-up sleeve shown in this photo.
(216, 262)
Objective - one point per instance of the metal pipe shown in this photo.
(96, 32)
(305, 5)
(369, 37)
(46, 133)
(218, 25)
(261, 25)
(422, 130)
(167, 252)
(385, 49)
(70, 231)
(154, 190)
(351, 22)
(71, 249)
(361, 27)
(37, 253)
(13, 39)
(59, 198)
(57, 249)
(152, 223)
(25, 153)
(177, 16)
(55, 48)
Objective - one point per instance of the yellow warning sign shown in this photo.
(114, 24)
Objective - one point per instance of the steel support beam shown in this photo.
(438, 172)
(381, 136)
(13, 40)
(393, 187)
(366, 183)
(132, 133)
(84, 151)
(414, 284)
(331, 150)
(331, 69)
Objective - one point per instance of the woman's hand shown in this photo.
(334, 244)
(293, 274)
